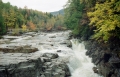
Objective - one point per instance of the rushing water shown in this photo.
(80, 64)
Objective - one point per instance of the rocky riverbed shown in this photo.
(35, 55)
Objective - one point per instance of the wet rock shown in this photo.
(3, 73)
(47, 59)
(56, 75)
(3, 41)
(107, 63)
(47, 66)
(52, 37)
(58, 50)
(48, 74)
(106, 57)
(114, 59)
(42, 76)
(70, 35)
(62, 73)
(51, 44)
(95, 69)
(69, 44)
(18, 49)
(51, 55)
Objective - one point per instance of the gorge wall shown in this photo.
(106, 60)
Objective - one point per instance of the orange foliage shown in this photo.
(49, 27)
(31, 26)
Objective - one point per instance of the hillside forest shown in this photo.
(19, 20)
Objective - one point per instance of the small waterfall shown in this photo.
(80, 64)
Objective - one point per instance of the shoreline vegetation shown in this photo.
(20, 20)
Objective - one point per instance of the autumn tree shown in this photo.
(9, 18)
(31, 26)
(106, 19)
(24, 28)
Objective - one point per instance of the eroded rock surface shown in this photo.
(47, 65)
(106, 61)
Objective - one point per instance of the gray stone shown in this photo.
(51, 55)
(95, 69)
(69, 44)
(52, 37)
(48, 74)
(47, 59)
(42, 76)
(16, 49)
(58, 50)
(53, 67)
(56, 75)
(62, 74)
(47, 66)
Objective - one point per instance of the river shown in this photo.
(80, 65)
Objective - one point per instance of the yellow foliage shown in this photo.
(24, 27)
(104, 19)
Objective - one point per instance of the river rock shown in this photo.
(95, 69)
(51, 55)
(52, 37)
(58, 50)
(50, 67)
(69, 44)
(20, 49)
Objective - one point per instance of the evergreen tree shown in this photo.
(2, 25)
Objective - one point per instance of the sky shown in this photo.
(40, 5)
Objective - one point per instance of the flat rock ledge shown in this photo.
(20, 49)
(47, 65)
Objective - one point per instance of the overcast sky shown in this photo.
(41, 5)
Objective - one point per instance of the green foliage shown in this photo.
(76, 18)
(2, 25)
(105, 19)
(73, 13)
(16, 30)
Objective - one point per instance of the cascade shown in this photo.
(80, 65)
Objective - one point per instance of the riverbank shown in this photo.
(106, 60)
